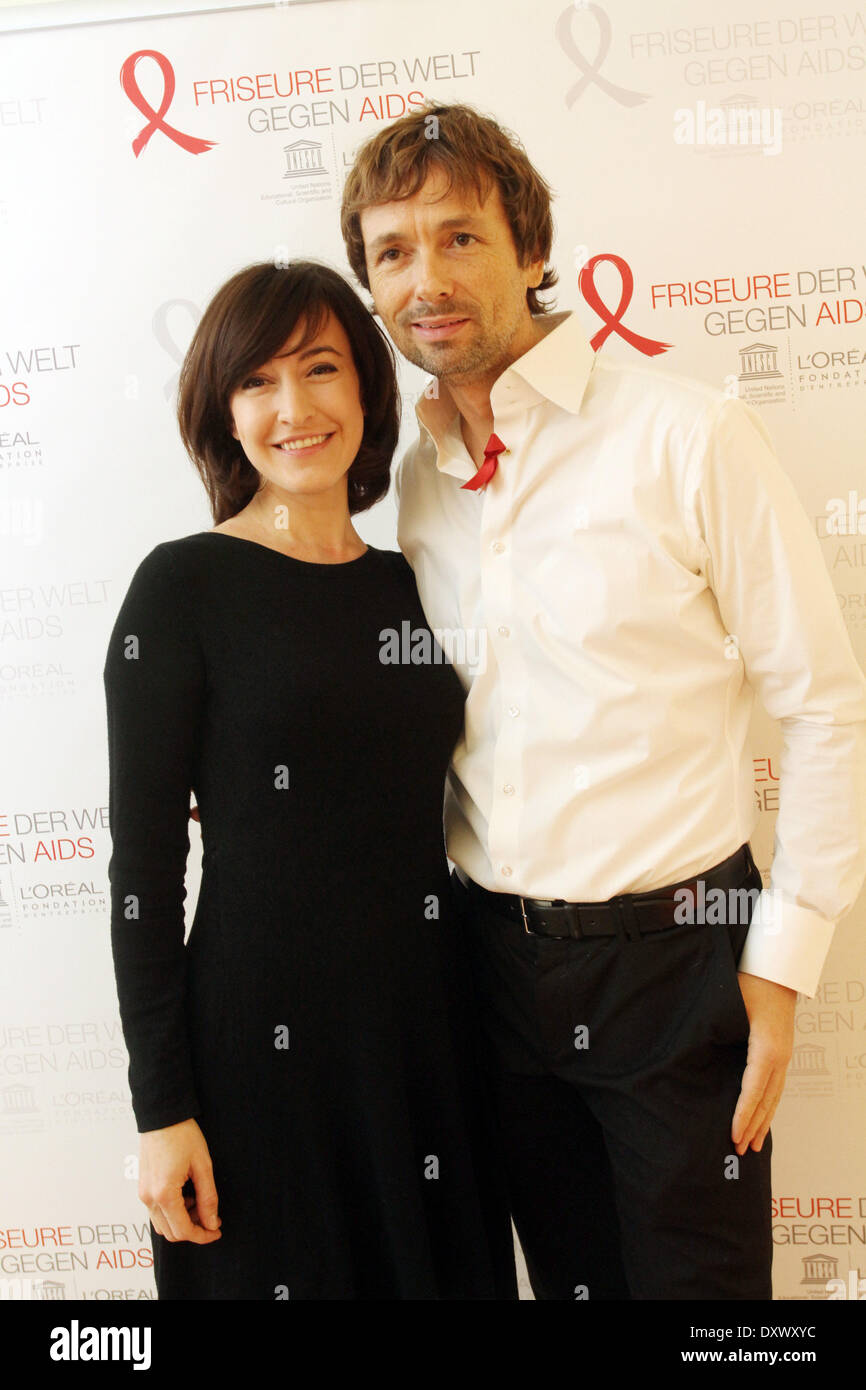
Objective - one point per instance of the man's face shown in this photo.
(444, 276)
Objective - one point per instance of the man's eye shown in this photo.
(391, 251)
(465, 234)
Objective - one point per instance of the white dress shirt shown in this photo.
(641, 567)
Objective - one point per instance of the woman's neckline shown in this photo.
(293, 559)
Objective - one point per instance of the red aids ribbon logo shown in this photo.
(133, 91)
(590, 71)
(492, 448)
(613, 322)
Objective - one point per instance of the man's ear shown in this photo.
(536, 268)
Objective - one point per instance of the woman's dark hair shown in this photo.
(246, 323)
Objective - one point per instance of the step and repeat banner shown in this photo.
(715, 167)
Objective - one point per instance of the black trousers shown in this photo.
(616, 1066)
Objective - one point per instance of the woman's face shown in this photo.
(299, 417)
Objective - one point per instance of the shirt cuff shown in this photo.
(786, 943)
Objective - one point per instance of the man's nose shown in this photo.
(433, 279)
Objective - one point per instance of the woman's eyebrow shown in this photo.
(308, 352)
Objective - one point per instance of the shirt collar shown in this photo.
(556, 368)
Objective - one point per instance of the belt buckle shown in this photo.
(526, 926)
(529, 932)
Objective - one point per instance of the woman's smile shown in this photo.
(304, 444)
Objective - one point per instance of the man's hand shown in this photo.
(770, 1008)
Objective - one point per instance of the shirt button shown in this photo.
(514, 710)
(506, 870)
(503, 631)
(497, 547)
(508, 789)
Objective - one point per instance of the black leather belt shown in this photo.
(632, 913)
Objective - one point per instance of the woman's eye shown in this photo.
(252, 381)
(327, 367)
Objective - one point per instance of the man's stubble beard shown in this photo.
(488, 354)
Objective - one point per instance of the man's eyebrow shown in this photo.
(379, 242)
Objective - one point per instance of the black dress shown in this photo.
(318, 1022)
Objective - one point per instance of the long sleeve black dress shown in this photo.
(318, 1021)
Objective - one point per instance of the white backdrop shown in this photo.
(107, 260)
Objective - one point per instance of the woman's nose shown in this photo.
(293, 403)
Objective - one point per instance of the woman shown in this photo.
(302, 1069)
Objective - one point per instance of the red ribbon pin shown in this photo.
(133, 91)
(492, 449)
(651, 347)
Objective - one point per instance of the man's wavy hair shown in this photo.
(246, 324)
(475, 153)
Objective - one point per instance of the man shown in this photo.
(641, 567)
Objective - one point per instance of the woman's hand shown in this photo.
(168, 1158)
